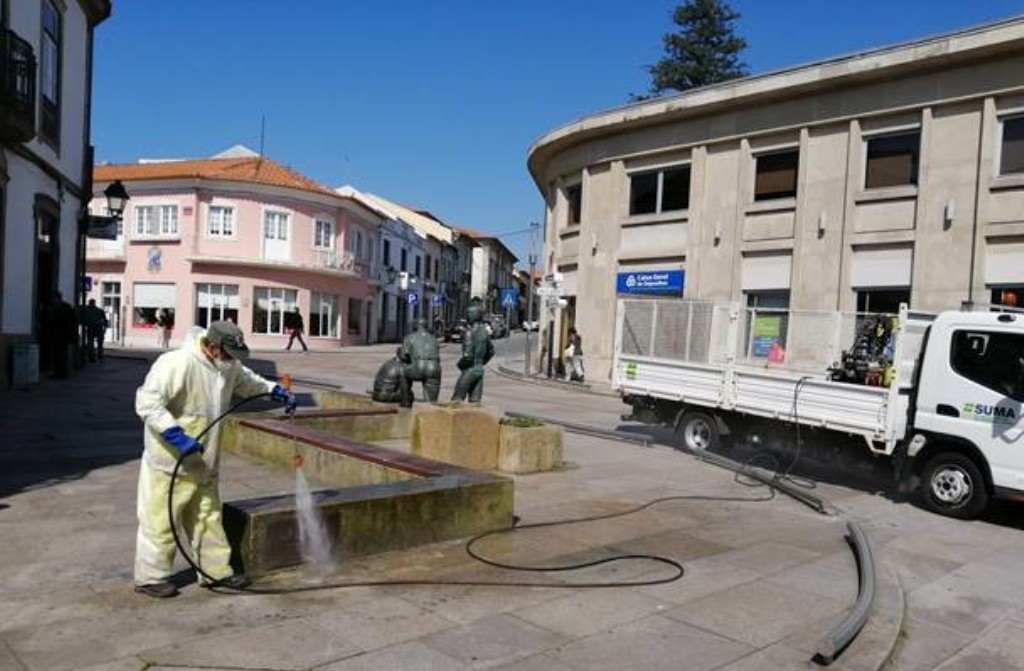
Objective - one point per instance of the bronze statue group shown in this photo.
(419, 359)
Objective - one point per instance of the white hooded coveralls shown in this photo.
(183, 388)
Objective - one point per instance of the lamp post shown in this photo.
(532, 258)
(102, 227)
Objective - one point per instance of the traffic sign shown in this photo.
(412, 298)
(549, 290)
(437, 299)
(509, 298)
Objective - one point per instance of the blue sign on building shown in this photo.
(412, 298)
(651, 282)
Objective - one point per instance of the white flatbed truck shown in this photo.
(951, 415)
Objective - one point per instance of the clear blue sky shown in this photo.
(430, 103)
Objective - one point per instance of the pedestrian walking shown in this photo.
(94, 319)
(297, 327)
(184, 391)
(575, 355)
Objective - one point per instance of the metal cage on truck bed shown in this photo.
(772, 363)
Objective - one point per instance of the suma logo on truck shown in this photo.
(997, 414)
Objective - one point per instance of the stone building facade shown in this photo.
(852, 184)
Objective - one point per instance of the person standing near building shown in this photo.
(94, 319)
(297, 326)
(62, 331)
(185, 390)
(576, 355)
(164, 325)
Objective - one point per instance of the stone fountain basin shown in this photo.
(378, 500)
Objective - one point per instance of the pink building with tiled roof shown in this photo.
(237, 237)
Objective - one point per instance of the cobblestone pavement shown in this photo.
(764, 580)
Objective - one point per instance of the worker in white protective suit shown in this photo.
(184, 391)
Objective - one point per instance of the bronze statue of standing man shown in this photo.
(477, 350)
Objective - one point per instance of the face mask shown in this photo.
(223, 365)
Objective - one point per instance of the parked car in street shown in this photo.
(456, 331)
(496, 325)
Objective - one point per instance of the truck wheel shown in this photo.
(952, 485)
(698, 431)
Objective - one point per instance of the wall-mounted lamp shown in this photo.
(822, 222)
(948, 213)
(105, 227)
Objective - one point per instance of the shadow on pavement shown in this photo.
(61, 430)
(825, 457)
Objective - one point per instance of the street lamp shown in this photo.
(102, 227)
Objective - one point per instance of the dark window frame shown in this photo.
(653, 191)
(886, 299)
(776, 174)
(1015, 164)
(574, 199)
(884, 156)
(50, 110)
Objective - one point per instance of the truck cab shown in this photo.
(967, 435)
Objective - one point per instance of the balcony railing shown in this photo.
(17, 88)
(329, 258)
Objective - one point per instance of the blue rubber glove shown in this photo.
(283, 395)
(181, 441)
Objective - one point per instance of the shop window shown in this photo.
(355, 311)
(1008, 296)
(775, 175)
(216, 302)
(892, 160)
(767, 323)
(323, 315)
(269, 308)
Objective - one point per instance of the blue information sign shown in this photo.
(412, 298)
(651, 282)
(509, 298)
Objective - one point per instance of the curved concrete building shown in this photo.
(855, 183)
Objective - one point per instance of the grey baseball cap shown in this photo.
(229, 338)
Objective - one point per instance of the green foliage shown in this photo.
(704, 50)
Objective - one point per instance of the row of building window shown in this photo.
(890, 160)
(420, 269)
(161, 221)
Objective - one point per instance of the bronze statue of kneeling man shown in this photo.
(390, 385)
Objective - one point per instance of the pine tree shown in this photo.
(704, 50)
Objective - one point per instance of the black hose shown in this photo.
(215, 585)
(174, 478)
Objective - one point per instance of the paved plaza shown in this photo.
(766, 577)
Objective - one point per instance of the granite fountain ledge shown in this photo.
(379, 499)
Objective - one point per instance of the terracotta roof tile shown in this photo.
(250, 170)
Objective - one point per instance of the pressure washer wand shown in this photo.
(286, 382)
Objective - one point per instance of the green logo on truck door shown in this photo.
(630, 370)
(997, 414)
